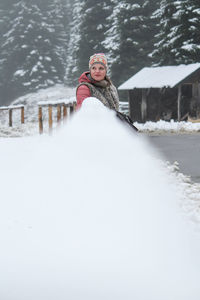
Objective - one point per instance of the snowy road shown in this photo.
(184, 148)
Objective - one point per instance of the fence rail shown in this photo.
(10, 111)
(63, 109)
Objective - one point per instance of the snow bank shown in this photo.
(89, 214)
(189, 192)
(172, 126)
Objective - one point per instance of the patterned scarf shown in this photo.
(103, 90)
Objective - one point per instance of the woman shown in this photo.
(95, 83)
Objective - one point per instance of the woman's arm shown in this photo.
(82, 92)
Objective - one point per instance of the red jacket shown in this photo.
(83, 91)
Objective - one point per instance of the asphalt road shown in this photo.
(183, 148)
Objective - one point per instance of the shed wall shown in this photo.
(161, 104)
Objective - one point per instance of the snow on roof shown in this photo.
(159, 77)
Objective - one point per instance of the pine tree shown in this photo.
(6, 6)
(67, 18)
(31, 52)
(179, 39)
(72, 73)
(58, 12)
(148, 30)
(166, 16)
(128, 39)
(186, 35)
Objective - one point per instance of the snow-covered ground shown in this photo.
(91, 212)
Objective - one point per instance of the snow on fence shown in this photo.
(63, 109)
(10, 111)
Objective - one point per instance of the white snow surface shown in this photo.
(168, 127)
(159, 77)
(91, 213)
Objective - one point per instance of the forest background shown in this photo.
(49, 42)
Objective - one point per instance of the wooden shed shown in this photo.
(168, 92)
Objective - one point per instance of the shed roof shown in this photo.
(159, 77)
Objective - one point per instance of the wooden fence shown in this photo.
(63, 110)
(10, 111)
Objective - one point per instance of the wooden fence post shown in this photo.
(50, 118)
(10, 117)
(40, 120)
(64, 111)
(71, 108)
(58, 114)
(22, 115)
(74, 106)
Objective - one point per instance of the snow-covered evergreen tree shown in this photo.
(3, 19)
(31, 51)
(186, 35)
(5, 7)
(129, 38)
(67, 18)
(179, 38)
(167, 22)
(72, 71)
(149, 28)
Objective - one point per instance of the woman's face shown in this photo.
(98, 72)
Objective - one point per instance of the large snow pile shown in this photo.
(89, 213)
(189, 191)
